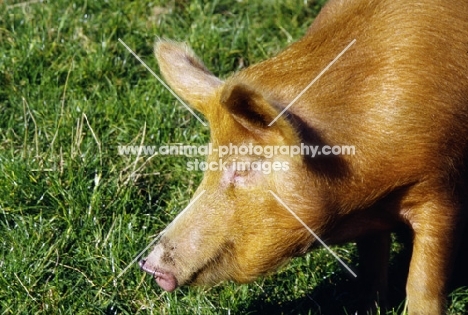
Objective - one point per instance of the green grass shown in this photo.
(74, 213)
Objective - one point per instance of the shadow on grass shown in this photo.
(340, 294)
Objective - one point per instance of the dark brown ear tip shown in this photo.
(233, 94)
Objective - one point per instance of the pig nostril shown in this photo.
(141, 263)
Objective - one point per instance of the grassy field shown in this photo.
(74, 213)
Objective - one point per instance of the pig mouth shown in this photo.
(166, 280)
(202, 275)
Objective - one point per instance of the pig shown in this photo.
(399, 95)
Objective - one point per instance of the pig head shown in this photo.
(236, 229)
(399, 95)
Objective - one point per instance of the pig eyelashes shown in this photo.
(240, 173)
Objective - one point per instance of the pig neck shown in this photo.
(341, 108)
(376, 98)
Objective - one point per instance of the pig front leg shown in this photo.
(374, 255)
(435, 228)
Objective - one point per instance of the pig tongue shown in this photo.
(165, 280)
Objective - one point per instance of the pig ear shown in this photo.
(249, 108)
(185, 73)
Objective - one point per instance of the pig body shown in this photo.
(399, 95)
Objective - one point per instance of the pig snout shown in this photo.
(164, 278)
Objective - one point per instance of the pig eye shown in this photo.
(239, 178)
(238, 175)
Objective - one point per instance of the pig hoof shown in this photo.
(166, 280)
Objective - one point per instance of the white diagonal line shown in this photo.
(313, 81)
(315, 235)
(186, 208)
(140, 254)
(159, 235)
(163, 83)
